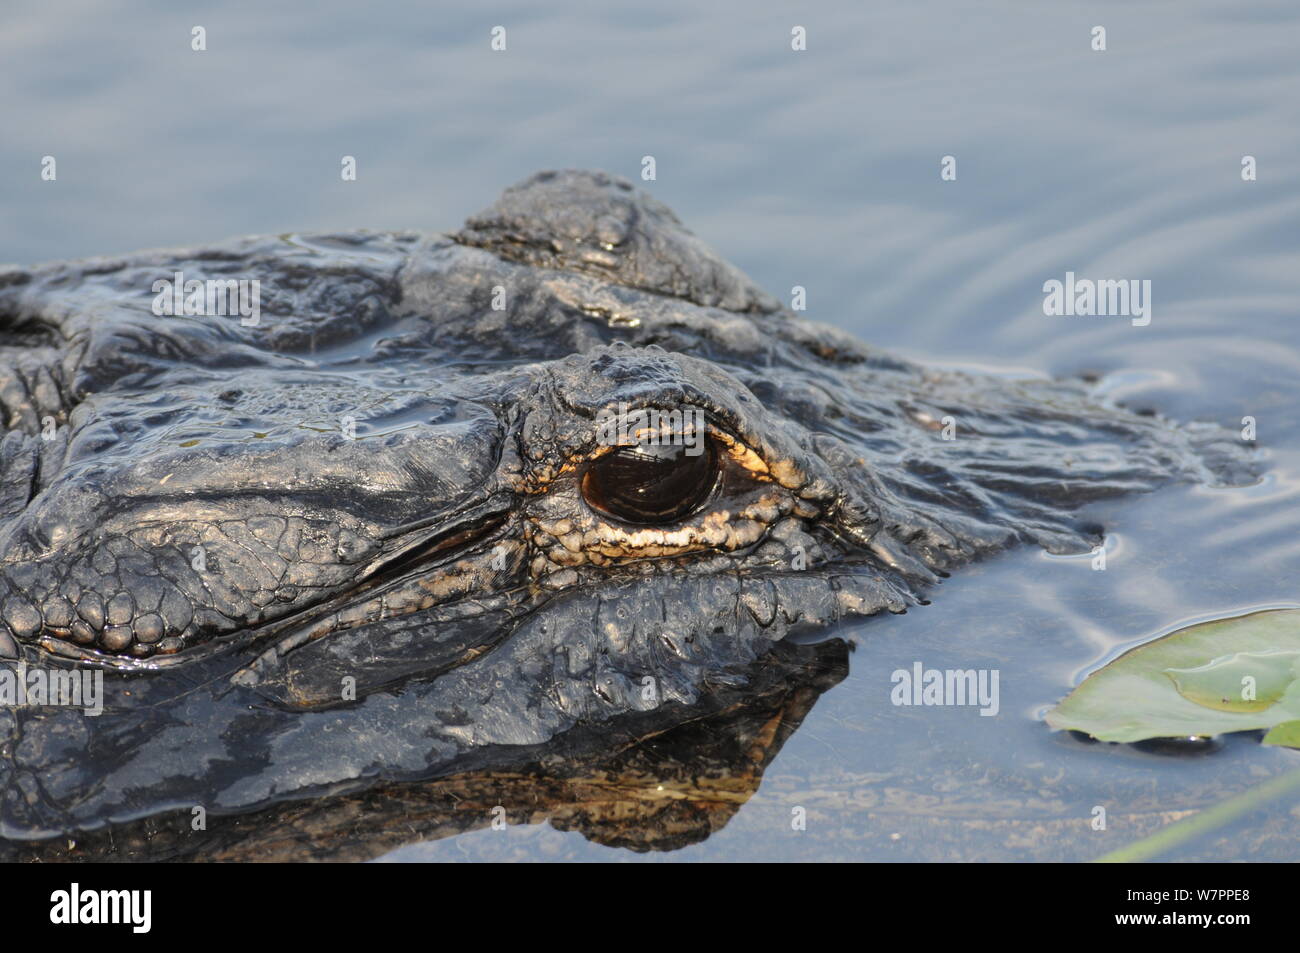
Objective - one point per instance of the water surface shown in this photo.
(820, 169)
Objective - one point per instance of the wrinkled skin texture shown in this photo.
(397, 573)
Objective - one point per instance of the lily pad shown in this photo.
(1243, 681)
(1287, 733)
(1234, 674)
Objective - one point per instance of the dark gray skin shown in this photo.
(445, 561)
(627, 784)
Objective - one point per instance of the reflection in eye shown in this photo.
(650, 483)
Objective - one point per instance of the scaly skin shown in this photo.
(182, 500)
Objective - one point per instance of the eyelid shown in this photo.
(737, 450)
(743, 455)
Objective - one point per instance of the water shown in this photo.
(821, 169)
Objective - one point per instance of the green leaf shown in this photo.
(1231, 675)
(1286, 734)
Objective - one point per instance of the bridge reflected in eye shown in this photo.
(651, 484)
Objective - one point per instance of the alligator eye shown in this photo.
(651, 483)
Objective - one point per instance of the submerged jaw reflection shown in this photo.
(655, 786)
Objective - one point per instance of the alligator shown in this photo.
(446, 503)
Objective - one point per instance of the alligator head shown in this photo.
(559, 467)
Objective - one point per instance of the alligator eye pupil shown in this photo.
(651, 483)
